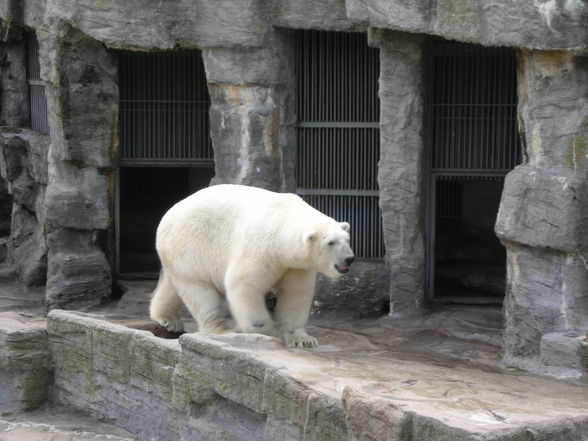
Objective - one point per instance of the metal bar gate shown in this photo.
(37, 99)
(471, 127)
(166, 150)
(338, 132)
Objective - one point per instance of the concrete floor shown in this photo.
(444, 365)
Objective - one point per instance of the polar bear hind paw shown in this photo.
(172, 325)
(298, 338)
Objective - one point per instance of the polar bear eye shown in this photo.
(331, 243)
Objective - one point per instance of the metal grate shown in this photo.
(472, 137)
(473, 109)
(164, 106)
(37, 99)
(338, 132)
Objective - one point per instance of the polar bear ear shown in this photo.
(345, 226)
(311, 236)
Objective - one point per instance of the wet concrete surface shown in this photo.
(53, 425)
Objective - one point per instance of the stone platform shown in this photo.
(436, 377)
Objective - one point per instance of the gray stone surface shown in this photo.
(400, 170)
(26, 247)
(23, 161)
(361, 293)
(252, 114)
(59, 425)
(544, 208)
(78, 274)
(14, 105)
(82, 98)
(270, 65)
(388, 380)
(117, 373)
(553, 108)
(25, 363)
(185, 23)
(328, 15)
(542, 216)
(77, 197)
(541, 24)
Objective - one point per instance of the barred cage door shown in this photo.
(338, 132)
(473, 143)
(166, 150)
(37, 99)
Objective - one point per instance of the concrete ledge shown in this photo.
(251, 387)
(25, 364)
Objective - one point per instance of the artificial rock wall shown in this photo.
(543, 217)
(82, 101)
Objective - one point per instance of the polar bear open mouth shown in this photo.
(342, 269)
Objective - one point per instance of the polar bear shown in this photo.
(238, 243)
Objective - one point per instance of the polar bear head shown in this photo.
(329, 248)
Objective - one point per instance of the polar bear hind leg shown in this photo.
(294, 299)
(166, 304)
(205, 304)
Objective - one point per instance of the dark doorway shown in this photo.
(473, 143)
(146, 193)
(166, 152)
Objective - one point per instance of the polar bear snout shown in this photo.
(344, 268)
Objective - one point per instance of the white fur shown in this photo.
(237, 243)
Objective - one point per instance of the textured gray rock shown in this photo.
(542, 217)
(546, 293)
(14, 98)
(548, 24)
(328, 15)
(245, 130)
(23, 159)
(565, 351)
(78, 274)
(82, 100)
(361, 293)
(544, 208)
(77, 197)
(26, 247)
(246, 387)
(183, 23)
(553, 109)
(82, 97)
(270, 65)
(25, 364)
(400, 170)
(117, 373)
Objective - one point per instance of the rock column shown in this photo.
(543, 218)
(400, 170)
(82, 95)
(252, 113)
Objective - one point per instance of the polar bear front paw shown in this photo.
(298, 338)
(172, 325)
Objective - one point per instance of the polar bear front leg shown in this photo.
(294, 299)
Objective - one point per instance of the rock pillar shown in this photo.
(252, 113)
(400, 170)
(543, 217)
(82, 96)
